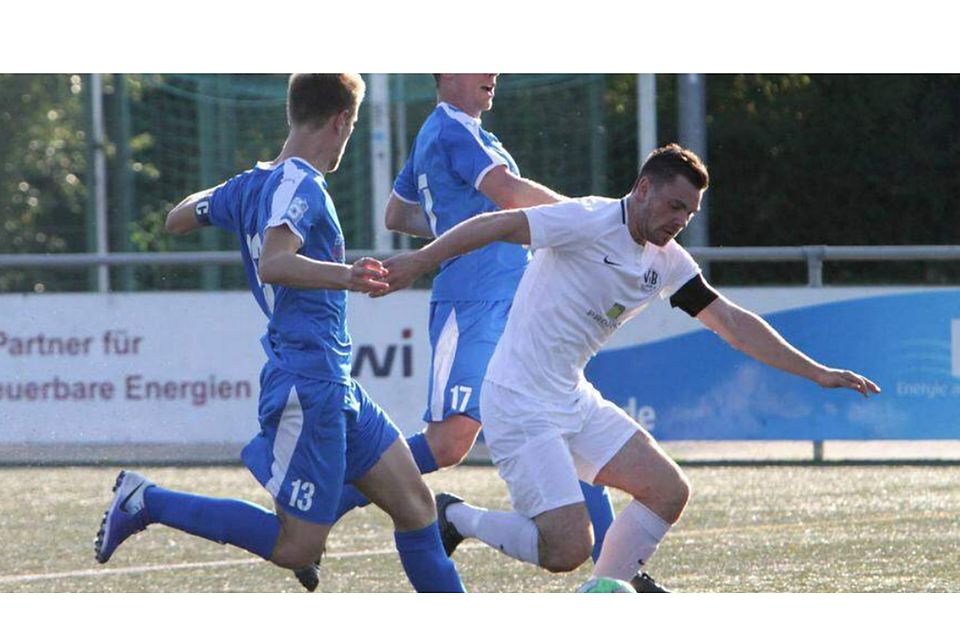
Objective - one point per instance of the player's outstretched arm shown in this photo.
(281, 264)
(406, 217)
(476, 232)
(183, 218)
(509, 191)
(751, 334)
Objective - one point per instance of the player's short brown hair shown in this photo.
(312, 98)
(672, 160)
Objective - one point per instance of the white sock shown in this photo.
(633, 537)
(508, 531)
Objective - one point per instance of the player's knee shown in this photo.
(563, 552)
(295, 555)
(675, 495)
(566, 554)
(418, 511)
(452, 439)
(452, 448)
(683, 491)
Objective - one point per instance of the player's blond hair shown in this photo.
(312, 98)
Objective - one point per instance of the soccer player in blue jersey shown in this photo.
(458, 170)
(318, 428)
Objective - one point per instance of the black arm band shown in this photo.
(201, 212)
(694, 296)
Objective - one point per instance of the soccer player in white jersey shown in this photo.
(597, 263)
(457, 170)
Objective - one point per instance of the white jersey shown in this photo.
(588, 276)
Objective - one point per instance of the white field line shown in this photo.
(86, 573)
(695, 533)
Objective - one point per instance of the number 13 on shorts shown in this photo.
(302, 495)
(460, 397)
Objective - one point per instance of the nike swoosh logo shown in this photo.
(123, 505)
(606, 260)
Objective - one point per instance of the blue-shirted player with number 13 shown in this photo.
(318, 427)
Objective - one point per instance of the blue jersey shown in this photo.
(307, 328)
(451, 155)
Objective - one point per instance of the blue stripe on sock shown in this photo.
(601, 513)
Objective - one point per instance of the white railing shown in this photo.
(814, 256)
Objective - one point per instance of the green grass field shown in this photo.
(747, 529)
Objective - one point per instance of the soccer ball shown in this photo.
(605, 585)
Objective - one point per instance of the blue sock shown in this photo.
(351, 498)
(227, 521)
(426, 563)
(601, 513)
(422, 454)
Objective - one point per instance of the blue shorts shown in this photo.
(314, 436)
(463, 336)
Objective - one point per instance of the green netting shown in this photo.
(794, 159)
(187, 132)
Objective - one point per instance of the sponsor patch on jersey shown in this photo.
(298, 207)
(339, 251)
(615, 311)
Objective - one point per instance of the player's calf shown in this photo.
(565, 538)
(300, 543)
(416, 511)
(451, 439)
(646, 472)
(395, 485)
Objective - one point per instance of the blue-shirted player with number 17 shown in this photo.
(318, 428)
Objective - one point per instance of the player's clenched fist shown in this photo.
(367, 275)
(402, 270)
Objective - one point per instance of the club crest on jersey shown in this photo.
(649, 281)
(298, 207)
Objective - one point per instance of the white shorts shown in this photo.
(543, 449)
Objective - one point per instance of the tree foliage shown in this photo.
(794, 159)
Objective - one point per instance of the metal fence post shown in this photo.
(815, 255)
(818, 450)
(400, 136)
(207, 138)
(692, 124)
(122, 178)
(646, 115)
(598, 135)
(97, 131)
(381, 170)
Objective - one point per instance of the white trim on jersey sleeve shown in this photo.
(293, 176)
(285, 223)
(473, 126)
(400, 197)
(483, 174)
